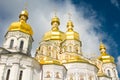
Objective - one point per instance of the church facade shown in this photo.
(58, 57)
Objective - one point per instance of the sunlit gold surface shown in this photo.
(71, 34)
(55, 19)
(72, 57)
(101, 74)
(21, 25)
(54, 33)
(104, 57)
(42, 59)
(70, 24)
(102, 46)
(24, 13)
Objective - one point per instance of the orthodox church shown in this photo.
(58, 57)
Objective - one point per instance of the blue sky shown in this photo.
(108, 12)
(95, 20)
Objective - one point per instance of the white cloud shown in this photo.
(118, 64)
(40, 13)
(115, 3)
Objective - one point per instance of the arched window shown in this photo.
(71, 76)
(20, 76)
(76, 48)
(90, 78)
(48, 74)
(115, 72)
(8, 74)
(11, 43)
(108, 72)
(70, 48)
(21, 45)
(81, 77)
(57, 75)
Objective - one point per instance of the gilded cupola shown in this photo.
(71, 34)
(22, 25)
(104, 57)
(54, 33)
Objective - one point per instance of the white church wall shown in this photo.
(85, 71)
(30, 68)
(53, 72)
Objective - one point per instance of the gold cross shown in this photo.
(25, 5)
(69, 16)
(55, 12)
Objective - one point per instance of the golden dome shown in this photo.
(54, 33)
(71, 34)
(21, 25)
(70, 25)
(24, 13)
(102, 46)
(55, 19)
(104, 57)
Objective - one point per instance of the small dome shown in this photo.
(71, 34)
(55, 19)
(70, 23)
(104, 57)
(54, 33)
(24, 13)
(102, 46)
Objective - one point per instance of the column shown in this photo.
(28, 73)
(86, 77)
(77, 76)
(14, 72)
(2, 67)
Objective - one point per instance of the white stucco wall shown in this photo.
(19, 62)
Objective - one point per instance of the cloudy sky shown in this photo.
(94, 20)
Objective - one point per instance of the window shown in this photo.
(21, 45)
(108, 72)
(81, 77)
(8, 74)
(70, 48)
(57, 75)
(115, 72)
(47, 74)
(71, 77)
(90, 77)
(11, 43)
(20, 76)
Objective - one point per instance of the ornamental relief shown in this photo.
(48, 74)
(48, 50)
(57, 75)
(71, 77)
(90, 77)
(81, 77)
